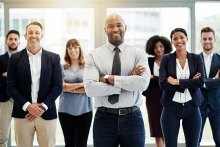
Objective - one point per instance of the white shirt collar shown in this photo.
(206, 55)
(30, 54)
(112, 47)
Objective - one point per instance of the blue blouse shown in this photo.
(73, 103)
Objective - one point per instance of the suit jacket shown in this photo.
(154, 81)
(211, 92)
(168, 68)
(19, 82)
(3, 68)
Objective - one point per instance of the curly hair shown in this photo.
(151, 42)
(67, 57)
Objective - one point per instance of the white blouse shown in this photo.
(156, 69)
(182, 74)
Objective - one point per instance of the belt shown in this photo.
(120, 111)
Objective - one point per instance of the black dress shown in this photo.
(154, 107)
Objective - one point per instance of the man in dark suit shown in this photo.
(210, 108)
(6, 103)
(34, 82)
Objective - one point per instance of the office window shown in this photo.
(207, 15)
(145, 22)
(2, 35)
(59, 25)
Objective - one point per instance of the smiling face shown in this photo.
(115, 29)
(179, 40)
(33, 36)
(159, 49)
(207, 41)
(73, 51)
(12, 42)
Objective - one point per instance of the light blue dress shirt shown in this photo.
(73, 103)
(99, 63)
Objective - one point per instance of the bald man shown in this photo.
(115, 74)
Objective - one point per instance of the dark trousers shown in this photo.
(214, 120)
(110, 130)
(191, 123)
(75, 128)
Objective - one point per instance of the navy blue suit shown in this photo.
(3, 68)
(188, 111)
(19, 82)
(168, 68)
(210, 107)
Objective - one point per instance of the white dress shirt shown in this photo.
(182, 73)
(99, 63)
(35, 67)
(207, 61)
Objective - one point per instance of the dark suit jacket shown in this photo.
(3, 68)
(168, 68)
(211, 93)
(154, 81)
(19, 82)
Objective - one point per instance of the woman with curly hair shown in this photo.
(75, 108)
(156, 46)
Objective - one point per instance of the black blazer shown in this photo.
(168, 68)
(19, 82)
(3, 68)
(211, 93)
(153, 82)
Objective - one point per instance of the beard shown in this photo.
(12, 49)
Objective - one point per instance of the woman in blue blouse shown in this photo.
(181, 75)
(75, 108)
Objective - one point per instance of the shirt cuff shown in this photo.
(204, 85)
(25, 106)
(45, 106)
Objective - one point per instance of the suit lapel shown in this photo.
(214, 64)
(201, 54)
(25, 60)
(43, 64)
(173, 64)
(191, 63)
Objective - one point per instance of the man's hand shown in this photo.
(35, 110)
(4, 74)
(138, 70)
(30, 117)
(197, 75)
(217, 74)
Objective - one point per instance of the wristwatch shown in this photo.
(43, 108)
(106, 78)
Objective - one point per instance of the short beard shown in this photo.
(12, 49)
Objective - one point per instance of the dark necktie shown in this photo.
(116, 70)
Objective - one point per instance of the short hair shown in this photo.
(178, 30)
(207, 29)
(151, 42)
(35, 23)
(12, 32)
(67, 57)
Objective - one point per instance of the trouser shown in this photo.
(75, 128)
(214, 120)
(191, 123)
(25, 130)
(5, 121)
(110, 130)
